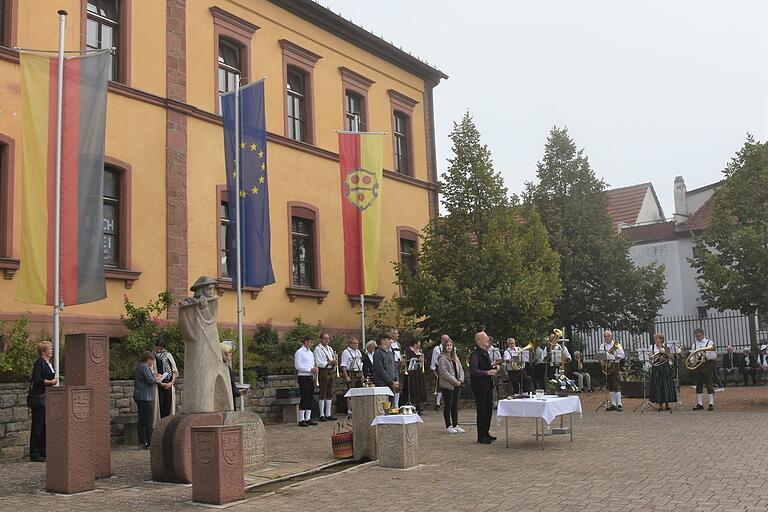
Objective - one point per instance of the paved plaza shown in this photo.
(685, 461)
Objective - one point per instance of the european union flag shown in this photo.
(251, 189)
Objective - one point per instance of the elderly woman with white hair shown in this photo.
(370, 348)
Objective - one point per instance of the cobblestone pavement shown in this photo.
(685, 461)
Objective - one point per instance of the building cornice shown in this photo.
(358, 36)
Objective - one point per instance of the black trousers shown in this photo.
(165, 399)
(451, 406)
(749, 372)
(146, 410)
(484, 407)
(539, 371)
(37, 434)
(306, 391)
(704, 376)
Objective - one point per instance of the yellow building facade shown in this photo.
(164, 175)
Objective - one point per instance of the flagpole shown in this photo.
(57, 305)
(362, 318)
(238, 239)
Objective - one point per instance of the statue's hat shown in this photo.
(201, 282)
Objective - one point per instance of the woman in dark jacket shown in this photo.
(43, 375)
(144, 393)
(370, 348)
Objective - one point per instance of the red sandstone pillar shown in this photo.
(86, 360)
(217, 464)
(69, 466)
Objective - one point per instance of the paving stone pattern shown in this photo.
(686, 461)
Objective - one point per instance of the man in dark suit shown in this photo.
(384, 367)
(748, 367)
(482, 370)
(729, 367)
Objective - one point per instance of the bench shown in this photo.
(289, 408)
(130, 424)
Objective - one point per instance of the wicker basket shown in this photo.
(341, 440)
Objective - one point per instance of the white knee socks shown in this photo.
(328, 408)
(438, 397)
(616, 398)
(304, 415)
(711, 398)
(396, 400)
(700, 399)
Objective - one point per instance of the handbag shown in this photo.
(34, 400)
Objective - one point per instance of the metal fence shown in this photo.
(724, 329)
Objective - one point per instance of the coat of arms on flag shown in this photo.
(361, 188)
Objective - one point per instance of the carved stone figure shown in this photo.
(207, 386)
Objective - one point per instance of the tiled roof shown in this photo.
(700, 219)
(650, 232)
(624, 204)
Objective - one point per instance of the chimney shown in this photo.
(681, 201)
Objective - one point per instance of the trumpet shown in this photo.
(336, 364)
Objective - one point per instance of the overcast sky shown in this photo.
(650, 89)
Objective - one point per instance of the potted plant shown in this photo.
(633, 375)
(561, 385)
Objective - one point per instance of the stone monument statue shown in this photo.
(207, 387)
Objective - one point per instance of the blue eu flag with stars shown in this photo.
(252, 191)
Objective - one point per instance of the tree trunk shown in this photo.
(753, 332)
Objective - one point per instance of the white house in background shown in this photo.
(634, 205)
(637, 213)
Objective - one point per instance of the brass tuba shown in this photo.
(697, 358)
(517, 366)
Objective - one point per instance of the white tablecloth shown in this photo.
(396, 419)
(378, 390)
(546, 409)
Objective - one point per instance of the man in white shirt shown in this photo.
(304, 362)
(325, 360)
(704, 373)
(614, 353)
(519, 380)
(433, 366)
(398, 353)
(352, 367)
(540, 365)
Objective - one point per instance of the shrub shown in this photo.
(16, 364)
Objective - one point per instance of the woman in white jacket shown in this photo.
(451, 377)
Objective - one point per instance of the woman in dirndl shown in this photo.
(662, 390)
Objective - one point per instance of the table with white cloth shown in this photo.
(543, 410)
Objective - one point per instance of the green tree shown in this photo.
(601, 285)
(487, 264)
(731, 255)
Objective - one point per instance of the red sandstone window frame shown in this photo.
(302, 60)
(10, 23)
(352, 82)
(238, 32)
(225, 282)
(309, 212)
(124, 24)
(122, 270)
(403, 105)
(8, 263)
(408, 233)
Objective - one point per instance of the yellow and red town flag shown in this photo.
(84, 103)
(360, 156)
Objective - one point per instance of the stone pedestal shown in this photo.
(217, 464)
(69, 467)
(171, 452)
(398, 443)
(86, 358)
(366, 404)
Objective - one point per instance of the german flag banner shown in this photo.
(360, 157)
(84, 105)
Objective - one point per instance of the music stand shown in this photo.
(676, 349)
(643, 357)
(601, 358)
